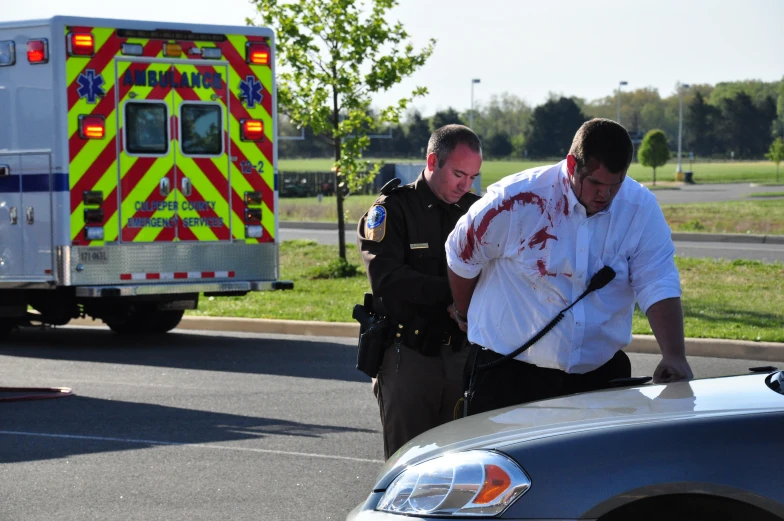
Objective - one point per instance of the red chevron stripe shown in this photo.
(134, 175)
(129, 234)
(242, 68)
(222, 234)
(102, 58)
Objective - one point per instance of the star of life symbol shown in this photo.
(91, 85)
(250, 90)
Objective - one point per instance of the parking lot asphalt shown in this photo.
(708, 347)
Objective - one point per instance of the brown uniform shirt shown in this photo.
(402, 245)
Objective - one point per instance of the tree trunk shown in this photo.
(338, 190)
(654, 176)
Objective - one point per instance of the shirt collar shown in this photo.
(428, 198)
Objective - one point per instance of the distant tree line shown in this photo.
(729, 120)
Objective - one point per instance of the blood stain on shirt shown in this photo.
(543, 269)
(541, 237)
(475, 235)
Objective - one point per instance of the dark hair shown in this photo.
(605, 142)
(445, 139)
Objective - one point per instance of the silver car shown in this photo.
(709, 449)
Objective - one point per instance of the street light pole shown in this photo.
(471, 114)
(679, 169)
(620, 84)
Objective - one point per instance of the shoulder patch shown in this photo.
(376, 223)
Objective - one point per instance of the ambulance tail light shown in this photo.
(253, 215)
(92, 127)
(252, 198)
(251, 130)
(38, 51)
(254, 232)
(93, 215)
(257, 53)
(93, 233)
(92, 198)
(81, 44)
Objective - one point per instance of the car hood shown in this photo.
(588, 411)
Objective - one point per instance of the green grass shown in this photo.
(766, 194)
(492, 171)
(738, 300)
(722, 299)
(753, 216)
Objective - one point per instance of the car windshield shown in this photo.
(776, 382)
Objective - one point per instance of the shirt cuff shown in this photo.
(467, 271)
(668, 287)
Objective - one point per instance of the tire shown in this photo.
(145, 320)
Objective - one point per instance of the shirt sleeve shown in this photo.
(652, 270)
(390, 277)
(479, 236)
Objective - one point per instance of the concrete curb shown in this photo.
(709, 347)
(747, 238)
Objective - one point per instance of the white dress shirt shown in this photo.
(536, 250)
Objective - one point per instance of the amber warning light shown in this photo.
(81, 44)
(92, 127)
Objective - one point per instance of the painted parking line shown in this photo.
(192, 445)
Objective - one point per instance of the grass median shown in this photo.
(740, 300)
(752, 216)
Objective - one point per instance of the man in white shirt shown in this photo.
(529, 248)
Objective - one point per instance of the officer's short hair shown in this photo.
(445, 139)
(603, 141)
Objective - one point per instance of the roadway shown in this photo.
(683, 248)
(197, 425)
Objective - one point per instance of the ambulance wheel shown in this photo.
(144, 321)
(166, 321)
(6, 326)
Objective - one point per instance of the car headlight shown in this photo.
(471, 483)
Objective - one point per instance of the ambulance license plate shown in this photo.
(93, 256)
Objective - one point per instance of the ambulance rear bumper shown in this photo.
(240, 287)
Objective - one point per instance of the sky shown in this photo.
(528, 48)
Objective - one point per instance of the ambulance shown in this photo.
(137, 170)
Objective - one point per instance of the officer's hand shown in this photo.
(462, 324)
(672, 369)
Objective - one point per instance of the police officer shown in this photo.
(402, 240)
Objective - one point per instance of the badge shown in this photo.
(376, 223)
(419, 246)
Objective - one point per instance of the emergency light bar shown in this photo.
(81, 44)
(257, 53)
(251, 130)
(91, 127)
(7, 53)
(38, 51)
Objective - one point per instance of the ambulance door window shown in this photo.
(146, 128)
(201, 129)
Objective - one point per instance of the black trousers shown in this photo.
(514, 382)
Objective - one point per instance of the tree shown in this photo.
(552, 128)
(702, 120)
(334, 55)
(445, 117)
(654, 151)
(499, 145)
(776, 154)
